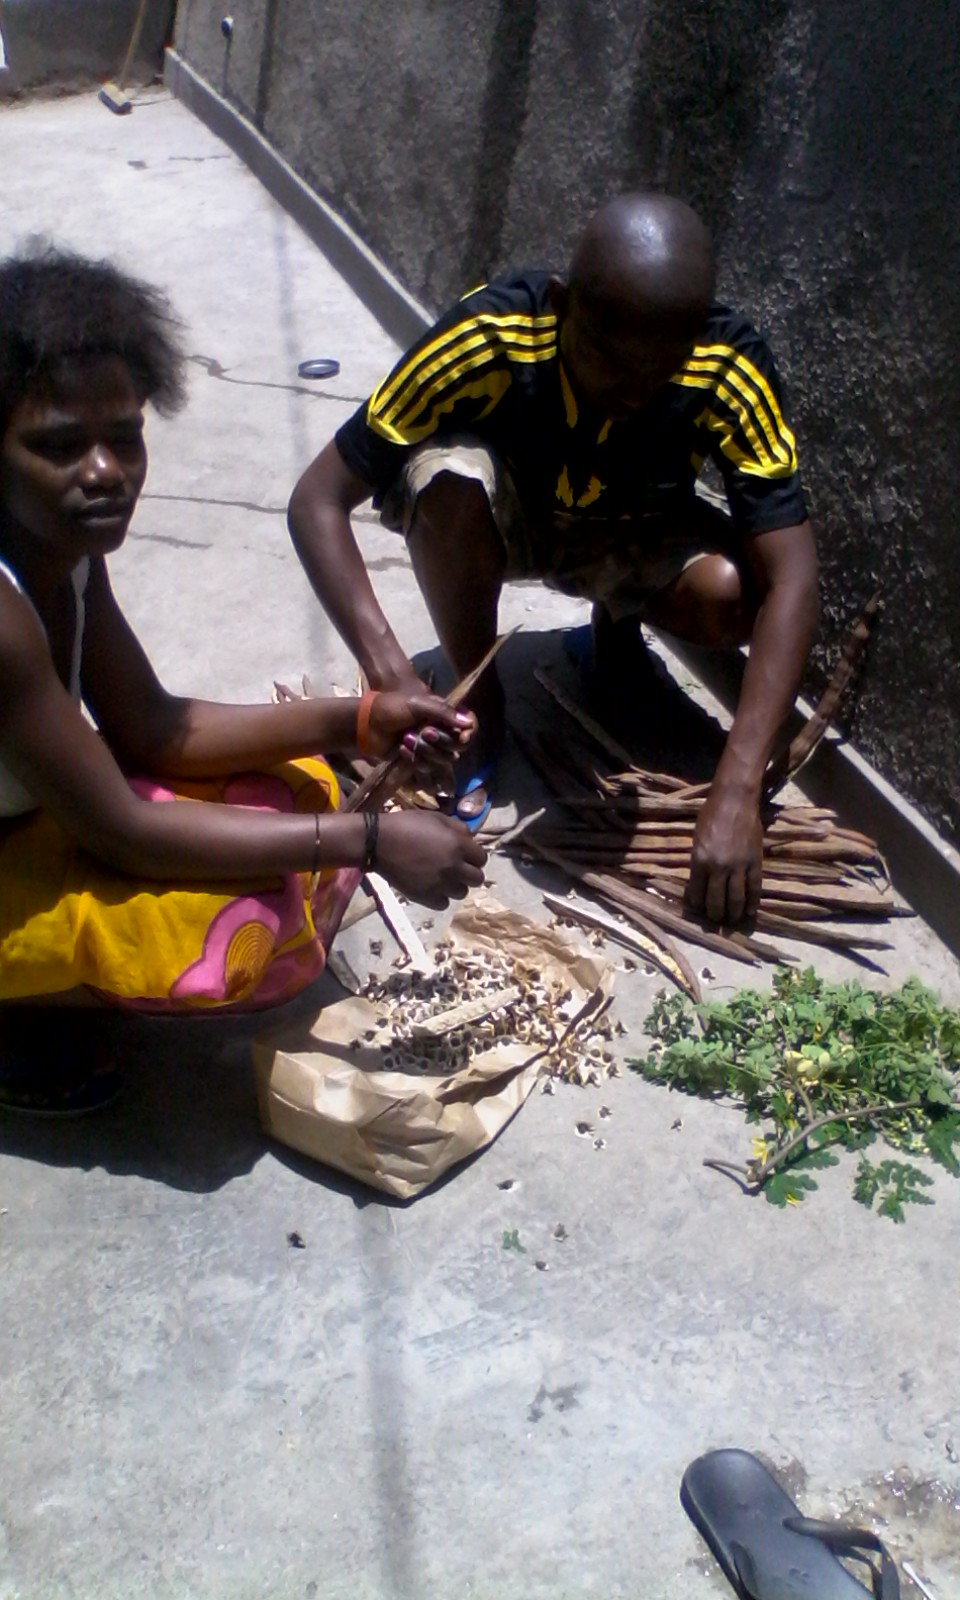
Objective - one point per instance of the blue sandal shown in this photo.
(481, 779)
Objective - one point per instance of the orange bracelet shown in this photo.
(363, 719)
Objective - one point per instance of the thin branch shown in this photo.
(763, 1172)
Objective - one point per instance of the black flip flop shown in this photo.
(767, 1550)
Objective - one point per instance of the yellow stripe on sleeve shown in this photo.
(491, 385)
(406, 376)
(747, 464)
(449, 367)
(740, 372)
(777, 434)
(744, 419)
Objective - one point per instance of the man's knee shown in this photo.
(452, 532)
(451, 496)
(725, 608)
(709, 604)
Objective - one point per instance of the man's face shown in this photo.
(73, 460)
(616, 365)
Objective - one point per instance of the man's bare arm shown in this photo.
(726, 863)
(319, 522)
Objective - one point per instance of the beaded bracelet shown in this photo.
(371, 823)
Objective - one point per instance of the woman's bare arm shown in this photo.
(70, 771)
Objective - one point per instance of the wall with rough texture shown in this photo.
(73, 44)
(819, 140)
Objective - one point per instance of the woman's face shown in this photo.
(73, 460)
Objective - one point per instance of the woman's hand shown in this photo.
(430, 733)
(430, 858)
(395, 712)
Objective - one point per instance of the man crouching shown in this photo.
(555, 429)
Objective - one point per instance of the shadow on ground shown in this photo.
(666, 730)
(186, 1116)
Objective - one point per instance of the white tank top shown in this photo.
(14, 798)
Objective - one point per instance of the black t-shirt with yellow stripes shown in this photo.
(491, 368)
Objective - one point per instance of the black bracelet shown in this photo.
(371, 823)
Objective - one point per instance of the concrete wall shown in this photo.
(819, 140)
(73, 44)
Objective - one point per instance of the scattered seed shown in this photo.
(376, 947)
(705, 972)
(604, 1112)
(542, 1266)
(599, 1144)
(560, 1232)
(676, 1124)
(530, 1012)
(584, 1129)
(296, 1241)
(508, 1183)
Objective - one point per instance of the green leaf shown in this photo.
(937, 1093)
(788, 1187)
(940, 1137)
(892, 1206)
(816, 1159)
(813, 1050)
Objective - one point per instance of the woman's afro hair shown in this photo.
(56, 306)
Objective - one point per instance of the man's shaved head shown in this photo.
(636, 297)
(645, 255)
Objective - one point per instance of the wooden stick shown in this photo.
(802, 747)
(635, 902)
(655, 945)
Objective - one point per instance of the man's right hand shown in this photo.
(430, 858)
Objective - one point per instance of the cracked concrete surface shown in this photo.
(402, 1409)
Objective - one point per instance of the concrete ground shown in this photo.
(402, 1410)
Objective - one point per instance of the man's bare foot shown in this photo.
(474, 771)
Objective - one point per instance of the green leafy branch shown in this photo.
(823, 1065)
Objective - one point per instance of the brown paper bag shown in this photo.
(322, 1095)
